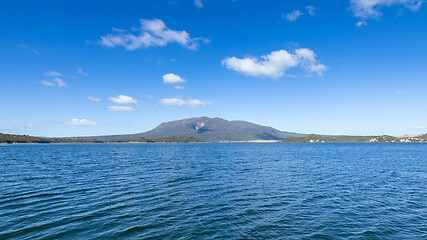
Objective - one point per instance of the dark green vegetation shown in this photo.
(383, 138)
(352, 139)
(308, 138)
(11, 138)
(209, 130)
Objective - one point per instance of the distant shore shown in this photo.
(311, 138)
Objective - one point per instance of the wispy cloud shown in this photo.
(81, 72)
(198, 3)
(52, 74)
(56, 82)
(59, 82)
(123, 99)
(418, 127)
(47, 83)
(180, 102)
(152, 33)
(121, 108)
(94, 99)
(370, 8)
(400, 92)
(361, 23)
(15, 128)
(114, 29)
(30, 49)
(80, 122)
(294, 15)
(171, 78)
(276, 63)
(311, 10)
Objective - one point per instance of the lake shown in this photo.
(209, 191)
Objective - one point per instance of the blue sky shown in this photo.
(327, 67)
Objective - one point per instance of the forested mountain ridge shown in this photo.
(209, 130)
(12, 138)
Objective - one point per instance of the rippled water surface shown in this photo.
(207, 191)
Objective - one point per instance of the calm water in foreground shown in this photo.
(207, 191)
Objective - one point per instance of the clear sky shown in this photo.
(75, 68)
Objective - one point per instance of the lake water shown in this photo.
(207, 191)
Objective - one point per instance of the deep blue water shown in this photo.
(207, 191)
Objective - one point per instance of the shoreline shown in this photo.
(10, 144)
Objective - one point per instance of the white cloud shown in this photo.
(47, 83)
(307, 59)
(180, 102)
(370, 8)
(80, 122)
(59, 82)
(29, 126)
(30, 49)
(121, 108)
(418, 127)
(94, 99)
(8, 129)
(171, 78)
(400, 92)
(81, 72)
(152, 33)
(147, 96)
(123, 99)
(361, 23)
(54, 82)
(198, 3)
(294, 15)
(118, 30)
(52, 74)
(311, 10)
(276, 63)
(179, 87)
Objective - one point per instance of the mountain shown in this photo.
(210, 130)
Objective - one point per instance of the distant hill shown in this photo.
(12, 138)
(210, 130)
(352, 139)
